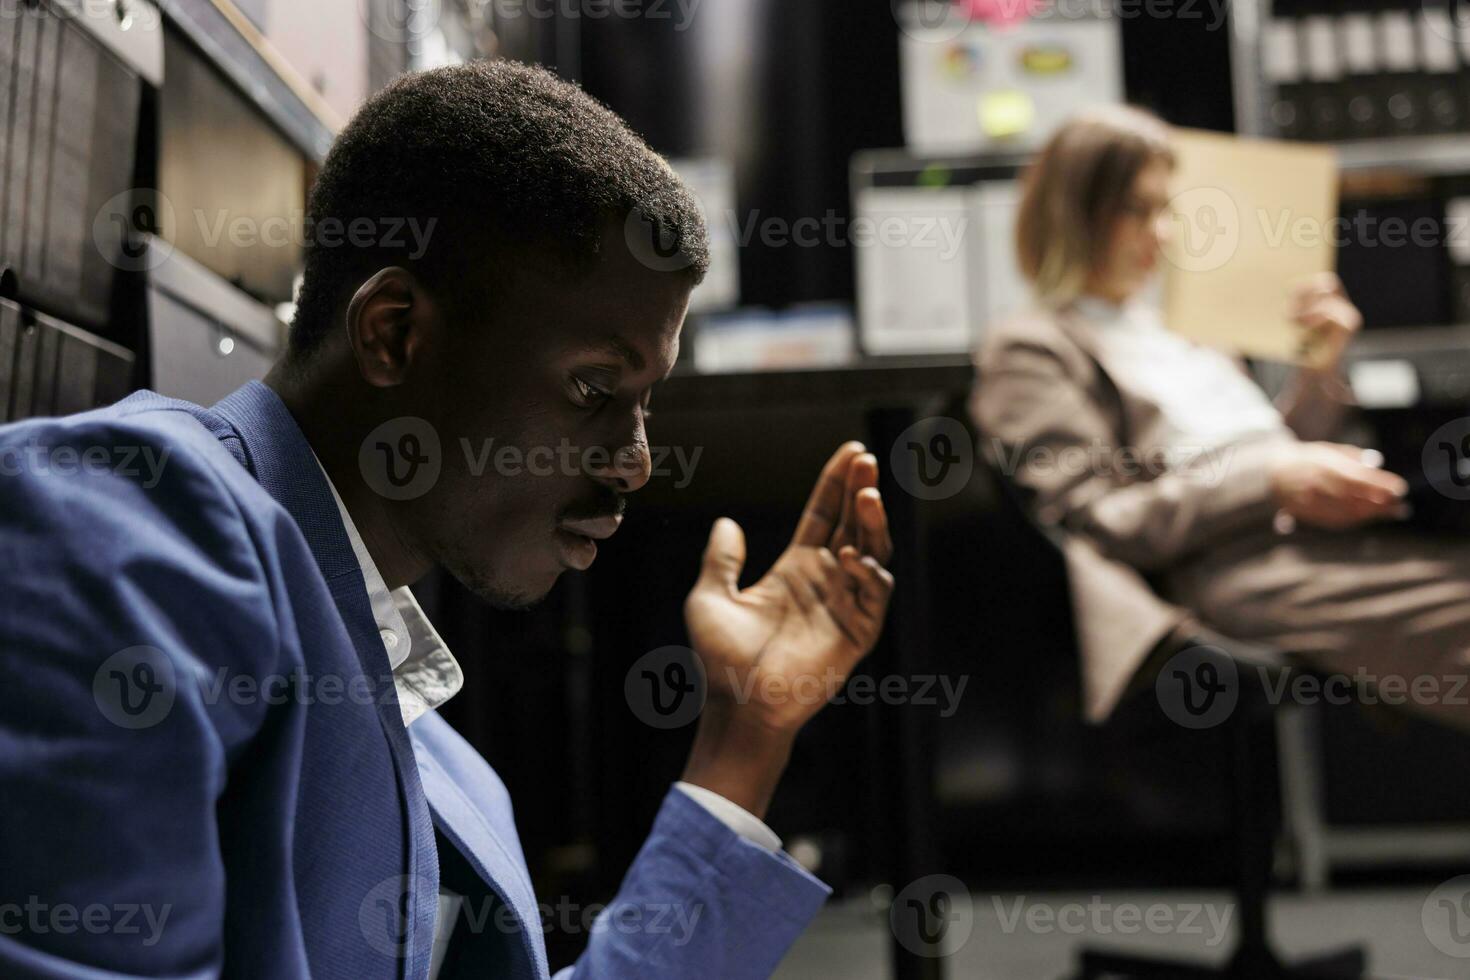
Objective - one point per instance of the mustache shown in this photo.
(607, 503)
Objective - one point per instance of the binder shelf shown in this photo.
(1387, 81)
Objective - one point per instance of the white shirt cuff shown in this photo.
(732, 815)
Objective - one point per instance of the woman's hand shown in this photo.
(1336, 487)
(1329, 320)
(774, 653)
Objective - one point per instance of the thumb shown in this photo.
(724, 556)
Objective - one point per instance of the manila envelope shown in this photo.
(1250, 219)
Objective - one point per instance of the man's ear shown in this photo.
(388, 321)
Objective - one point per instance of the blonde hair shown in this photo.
(1073, 192)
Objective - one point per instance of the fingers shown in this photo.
(862, 476)
(724, 557)
(873, 536)
(1314, 288)
(873, 587)
(1376, 486)
(1358, 494)
(818, 586)
(1348, 488)
(845, 508)
(1363, 475)
(848, 592)
(824, 508)
(1322, 306)
(844, 529)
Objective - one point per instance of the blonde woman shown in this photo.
(1186, 493)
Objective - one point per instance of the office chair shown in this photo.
(1254, 819)
(1255, 813)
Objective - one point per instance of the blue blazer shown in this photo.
(202, 760)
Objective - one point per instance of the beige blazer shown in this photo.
(1091, 457)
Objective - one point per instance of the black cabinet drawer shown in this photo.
(49, 367)
(70, 116)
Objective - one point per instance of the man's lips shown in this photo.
(596, 528)
(579, 538)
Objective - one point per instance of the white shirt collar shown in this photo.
(1097, 309)
(425, 673)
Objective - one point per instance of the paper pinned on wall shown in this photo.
(1250, 220)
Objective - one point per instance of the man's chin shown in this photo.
(511, 598)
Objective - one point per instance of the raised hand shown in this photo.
(1328, 319)
(775, 652)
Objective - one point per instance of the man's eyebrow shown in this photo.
(619, 347)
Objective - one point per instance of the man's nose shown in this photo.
(627, 468)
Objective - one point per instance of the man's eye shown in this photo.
(590, 393)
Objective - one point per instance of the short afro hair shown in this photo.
(501, 157)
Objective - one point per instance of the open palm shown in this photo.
(783, 646)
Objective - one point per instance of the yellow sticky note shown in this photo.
(1008, 112)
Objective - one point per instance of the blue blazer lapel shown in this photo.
(281, 460)
(468, 819)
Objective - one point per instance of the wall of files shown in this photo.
(73, 77)
(70, 126)
(1388, 83)
(1360, 69)
(100, 151)
(48, 367)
